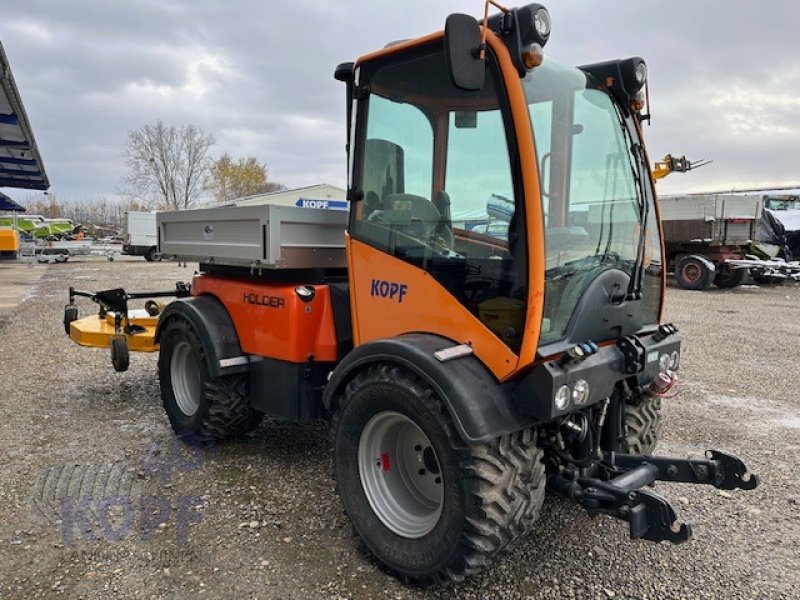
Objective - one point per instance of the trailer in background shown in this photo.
(706, 239)
(141, 235)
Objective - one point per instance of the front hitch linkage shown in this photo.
(613, 487)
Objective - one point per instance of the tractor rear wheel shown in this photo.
(643, 425)
(431, 508)
(729, 278)
(694, 272)
(201, 408)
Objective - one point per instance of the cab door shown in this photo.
(438, 242)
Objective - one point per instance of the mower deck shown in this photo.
(97, 331)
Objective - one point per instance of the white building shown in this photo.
(298, 197)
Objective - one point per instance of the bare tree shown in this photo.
(167, 163)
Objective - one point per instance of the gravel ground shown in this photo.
(259, 517)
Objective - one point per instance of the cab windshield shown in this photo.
(595, 193)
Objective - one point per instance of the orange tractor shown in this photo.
(465, 370)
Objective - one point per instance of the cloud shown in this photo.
(258, 76)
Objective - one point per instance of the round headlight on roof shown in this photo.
(534, 25)
(641, 73)
(542, 23)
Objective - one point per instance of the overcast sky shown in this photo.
(725, 78)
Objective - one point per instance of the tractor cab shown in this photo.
(549, 157)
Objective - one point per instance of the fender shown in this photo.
(480, 406)
(214, 326)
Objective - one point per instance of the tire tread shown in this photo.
(228, 413)
(643, 425)
(504, 481)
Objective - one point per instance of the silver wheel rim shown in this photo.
(400, 474)
(185, 378)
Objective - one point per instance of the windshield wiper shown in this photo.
(635, 150)
(587, 263)
(635, 288)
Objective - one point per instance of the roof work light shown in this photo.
(625, 78)
(525, 31)
(534, 24)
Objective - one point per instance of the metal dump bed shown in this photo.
(714, 219)
(265, 236)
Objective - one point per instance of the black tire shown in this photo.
(71, 313)
(120, 356)
(223, 403)
(491, 496)
(643, 425)
(768, 280)
(694, 273)
(152, 255)
(729, 278)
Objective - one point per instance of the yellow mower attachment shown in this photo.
(97, 332)
(118, 327)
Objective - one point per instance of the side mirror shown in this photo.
(462, 41)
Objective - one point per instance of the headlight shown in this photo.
(674, 359)
(580, 392)
(641, 73)
(534, 24)
(561, 400)
(541, 21)
(664, 362)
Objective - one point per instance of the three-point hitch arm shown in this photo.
(614, 487)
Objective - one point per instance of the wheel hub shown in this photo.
(691, 272)
(400, 474)
(185, 378)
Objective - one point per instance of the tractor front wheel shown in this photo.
(200, 408)
(431, 508)
(643, 425)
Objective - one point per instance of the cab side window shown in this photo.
(438, 185)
